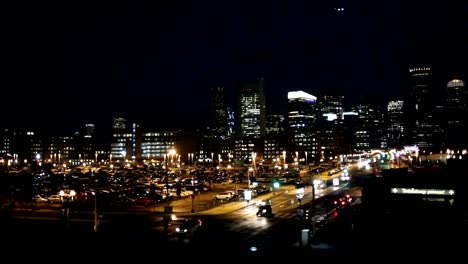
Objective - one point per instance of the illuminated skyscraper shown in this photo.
(252, 109)
(455, 114)
(331, 125)
(424, 128)
(302, 122)
(396, 124)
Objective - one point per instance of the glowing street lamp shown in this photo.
(172, 152)
(38, 160)
(300, 194)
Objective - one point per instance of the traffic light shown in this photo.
(253, 180)
(276, 184)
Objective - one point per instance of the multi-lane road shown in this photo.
(231, 227)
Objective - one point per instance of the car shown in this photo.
(55, 198)
(145, 201)
(226, 195)
(40, 199)
(188, 229)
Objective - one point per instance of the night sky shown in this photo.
(154, 61)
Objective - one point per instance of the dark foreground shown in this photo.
(403, 235)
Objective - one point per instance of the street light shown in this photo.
(172, 152)
(124, 154)
(190, 158)
(96, 215)
(38, 160)
(66, 211)
(254, 156)
(300, 193)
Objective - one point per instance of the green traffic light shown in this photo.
(276, 184)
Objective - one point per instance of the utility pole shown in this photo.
(96, 216)
(96, 213)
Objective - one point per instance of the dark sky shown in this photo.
(77, 62)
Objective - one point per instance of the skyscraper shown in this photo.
(302, 111)
(219, 114)
(455, 113)
(252, 109)
(302, 123)
(331, 126)
(396, 124)
(424, 128)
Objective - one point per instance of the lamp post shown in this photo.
(124, 154)
(193, 201)
(254, 166)
(66, 211)
(38, 160)
(96, 214)
(300, 194)
(172, 152)
(248, 177)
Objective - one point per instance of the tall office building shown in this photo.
(396, 124)
(275, 125)
(302, 112)
(331, 134)
(455, 114)
(369, 132)
(125, 142)
(302, 124)
(219, 114)
(90, 129)
(425, 132)
(252, 109)
(275, 141)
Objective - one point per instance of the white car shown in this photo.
(55, 198)
(40, 199)
(226, 195)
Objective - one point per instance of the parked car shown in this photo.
(55, 198)
(40, 199)
(226, 195)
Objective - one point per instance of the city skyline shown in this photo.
(155, 63)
